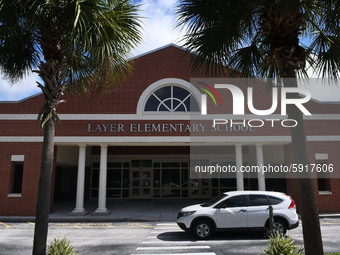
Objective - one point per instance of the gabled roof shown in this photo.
(158, 49)
(130, 59)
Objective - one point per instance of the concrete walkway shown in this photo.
(120, 210)
(123, 210)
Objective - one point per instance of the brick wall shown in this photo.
(26, 204)
(326, 202)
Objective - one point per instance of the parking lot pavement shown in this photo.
(135, 238)
(167, 239)
(87, 238)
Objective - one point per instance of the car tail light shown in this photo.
(292, 204)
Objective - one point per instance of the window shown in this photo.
(17, 177)
(274, 200)
(117, 182)
(213, 200)
(258, 200)
(324, 183)
(237, 201)
(171, 99)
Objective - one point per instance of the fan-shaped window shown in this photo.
(171, 99)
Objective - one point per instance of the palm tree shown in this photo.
(72, 45)
(261, 38)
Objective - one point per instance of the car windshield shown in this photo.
(214, 200)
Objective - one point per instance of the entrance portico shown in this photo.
(156, 176)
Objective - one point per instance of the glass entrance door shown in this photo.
(146, 183)
(135, 183)
(141, 183)
(141, 173)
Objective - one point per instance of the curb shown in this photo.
(323, 216)
(56, 220)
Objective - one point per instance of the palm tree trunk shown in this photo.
(307, 199)
(44, 192)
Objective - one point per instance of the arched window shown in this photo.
(171, 99)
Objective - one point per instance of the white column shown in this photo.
(260, 175)
(79, 210)
(102, 182)
(239, 175)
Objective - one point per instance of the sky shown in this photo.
(159, 29)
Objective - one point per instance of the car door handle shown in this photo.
(242, 211)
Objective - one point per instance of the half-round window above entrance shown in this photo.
(171, 99)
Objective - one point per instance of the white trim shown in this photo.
(321, 156)
(322, 117)
(325, 192)
(21, 100)
(162, 116)
(17, 158)
(323, 138)
(140, 140)
(18, 116)
(164, 83)
(14, 195)
(324, 102)
(160, 48)
(18, 139)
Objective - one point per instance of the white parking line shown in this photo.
(174, 248)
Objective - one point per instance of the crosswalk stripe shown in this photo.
(174, 248)
(196, 253)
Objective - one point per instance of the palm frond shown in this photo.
(17, 40)
(215, 29)
(102, 35)
(326, 54)
(247, 61)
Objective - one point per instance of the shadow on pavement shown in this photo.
(184, 236)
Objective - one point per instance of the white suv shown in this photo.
(239, 210)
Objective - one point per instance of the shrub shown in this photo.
(280, 244)
(60, 247)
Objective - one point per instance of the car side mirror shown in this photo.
(221, 206)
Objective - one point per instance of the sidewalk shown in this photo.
(123, 210)
(120, 210)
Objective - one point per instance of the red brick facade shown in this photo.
(18, 126)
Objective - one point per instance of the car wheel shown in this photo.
(202, 229)
(279, 227)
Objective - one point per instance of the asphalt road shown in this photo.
(149, 238)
